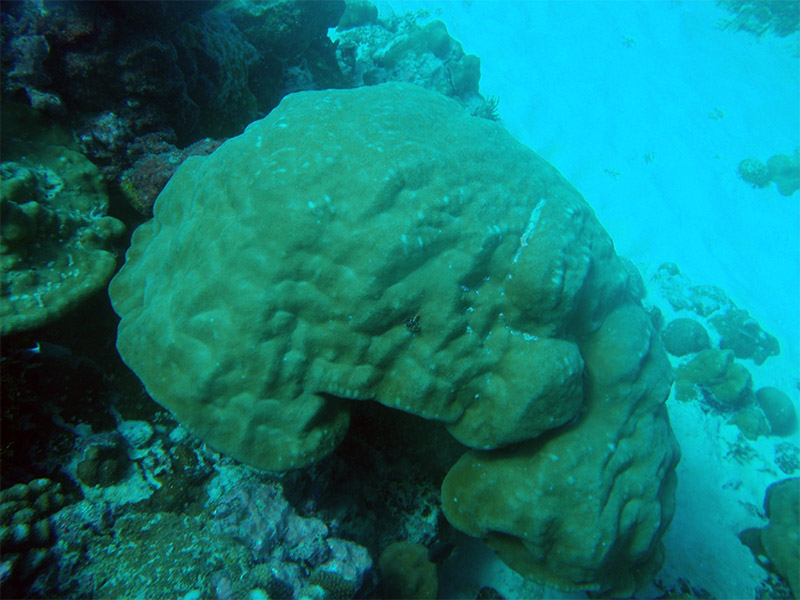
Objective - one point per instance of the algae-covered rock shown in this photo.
(728, 384)
(381, 244)
(682, 295)
(685, 336)
(751, 422)
(586, 508)
(431, 38)
(782, 169)
(461, 72)
(754, 172)
(741, 333)
(781, 537)
(400, 48)
(406, 572)
(686, 391)
(55, 236)
(779, 410)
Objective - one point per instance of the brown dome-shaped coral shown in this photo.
(381, 244)
(280, 274)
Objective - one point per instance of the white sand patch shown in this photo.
(717, 498)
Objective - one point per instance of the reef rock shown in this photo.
(783, 169)
(777, 546)
(381, 244)
(742, 334)
(401, 48)
(724, 383)
(407, 573)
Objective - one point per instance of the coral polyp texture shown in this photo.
(381, 244)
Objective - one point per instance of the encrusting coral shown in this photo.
(55, 237)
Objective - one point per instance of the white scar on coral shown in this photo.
(530, 229)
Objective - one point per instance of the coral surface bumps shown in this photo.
(381, 244)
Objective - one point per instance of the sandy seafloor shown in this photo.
(594, 87)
